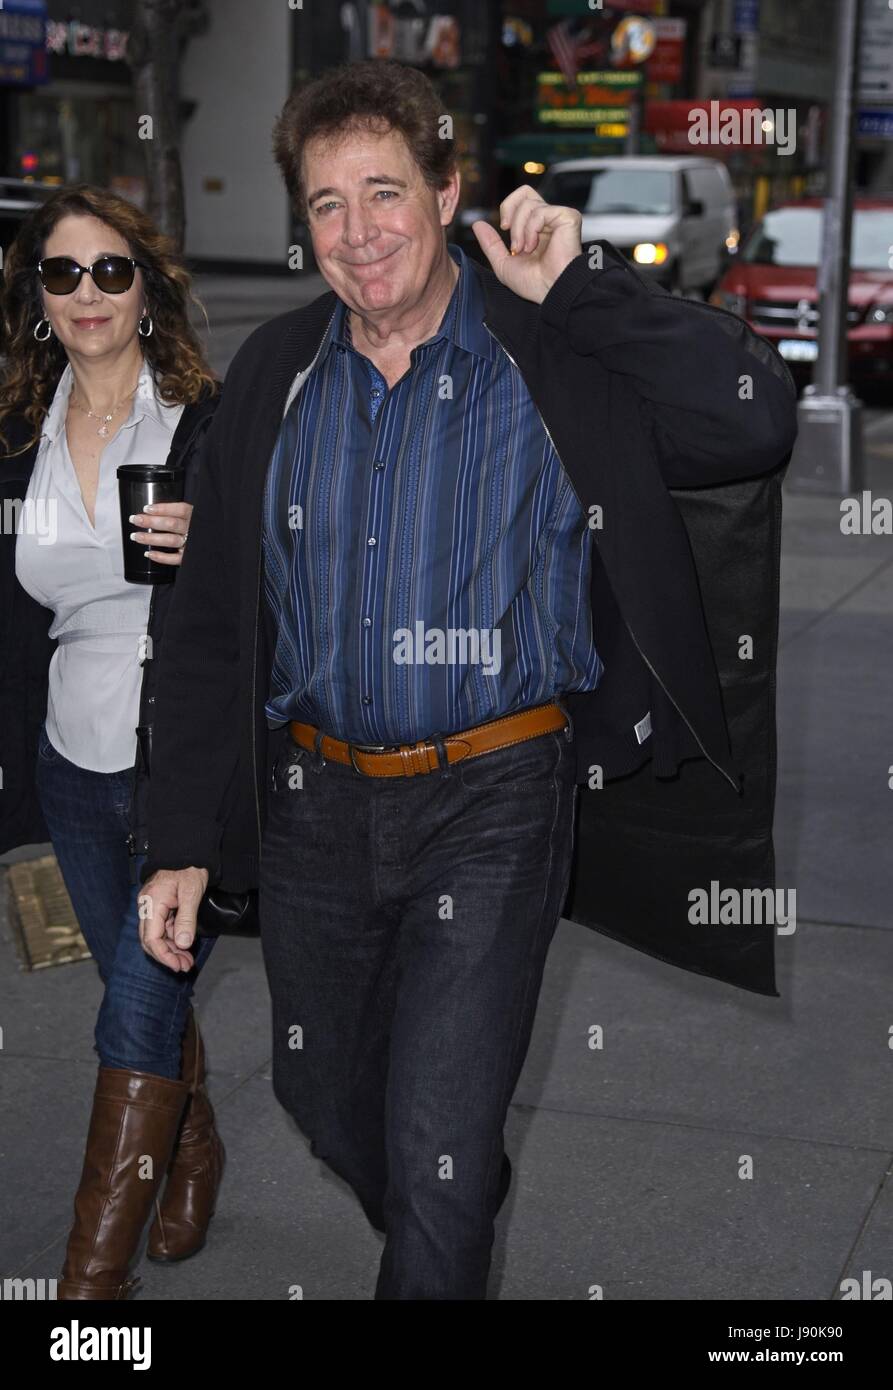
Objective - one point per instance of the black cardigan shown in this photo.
(26, 649)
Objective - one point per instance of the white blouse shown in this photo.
(77, 571)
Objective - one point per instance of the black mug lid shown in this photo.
(146, 472)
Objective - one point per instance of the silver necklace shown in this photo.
(103, 430)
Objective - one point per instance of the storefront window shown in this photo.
(77, 136)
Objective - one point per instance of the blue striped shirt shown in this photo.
(426, 558)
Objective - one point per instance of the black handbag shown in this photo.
(221, 913)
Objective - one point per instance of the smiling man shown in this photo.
(387, 461)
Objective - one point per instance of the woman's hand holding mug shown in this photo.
(166, 524)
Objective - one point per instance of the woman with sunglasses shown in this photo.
(101, 368)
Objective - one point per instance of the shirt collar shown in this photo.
(462, 323)
(146, 403)
(52, 425)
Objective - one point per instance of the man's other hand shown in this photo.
(168, 905)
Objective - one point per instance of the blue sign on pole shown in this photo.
(23, 43)
(747, 17)
(877, 123)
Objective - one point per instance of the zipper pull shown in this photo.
(131, 844)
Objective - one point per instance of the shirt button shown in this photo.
(371, 540)
(367, 699)
(367, 622)
(378, 465)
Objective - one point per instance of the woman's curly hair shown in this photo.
(30, 370)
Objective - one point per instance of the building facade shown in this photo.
(525, 82)
(69, 116)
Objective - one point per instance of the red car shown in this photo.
(772, 284)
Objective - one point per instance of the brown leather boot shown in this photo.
(185, 1208)
(135, 1116)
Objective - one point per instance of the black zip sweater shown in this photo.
(26, 648)
(641, 392)
(185, 453)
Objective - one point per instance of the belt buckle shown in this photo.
(365, 748)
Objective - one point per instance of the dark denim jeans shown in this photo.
(145, 1005)
(405, 924)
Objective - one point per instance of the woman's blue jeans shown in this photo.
(145, 1005)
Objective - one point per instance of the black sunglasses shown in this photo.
(111, 274)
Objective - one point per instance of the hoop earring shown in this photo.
(42, 337)
(145, 332)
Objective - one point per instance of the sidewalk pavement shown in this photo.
(626, 1159)
(236, 304)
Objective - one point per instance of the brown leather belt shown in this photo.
(408, 759)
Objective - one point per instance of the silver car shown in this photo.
(674, 217)
(17, 198)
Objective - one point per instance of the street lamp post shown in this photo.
(827, 457)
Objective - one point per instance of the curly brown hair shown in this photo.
(375, 94)
(30, 370)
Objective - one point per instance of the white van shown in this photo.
(675, 218)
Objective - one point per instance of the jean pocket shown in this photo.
(520, 765)
(289, 766)
(46, 751)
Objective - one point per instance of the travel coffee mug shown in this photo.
(138, 485)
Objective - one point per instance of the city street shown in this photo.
(626, 1159)
(462, 519)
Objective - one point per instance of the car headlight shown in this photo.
(882, 314)
(650, 252)
(724, 299)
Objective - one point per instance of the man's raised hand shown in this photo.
(543, 240)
